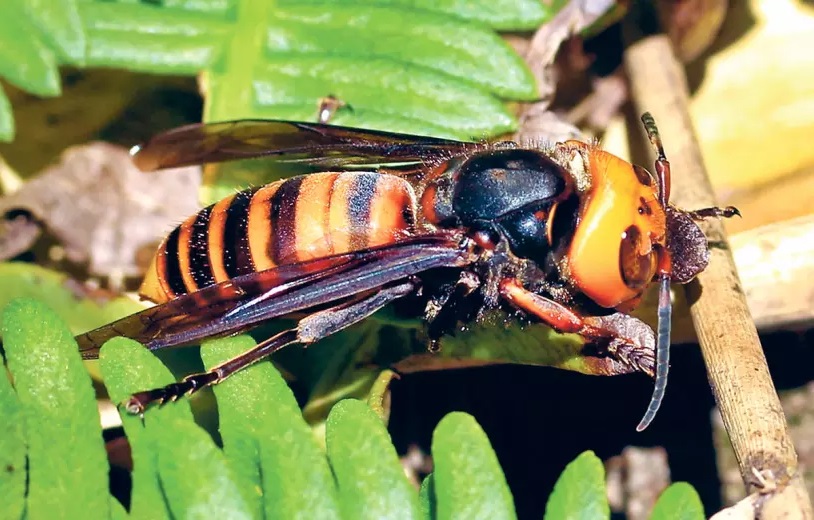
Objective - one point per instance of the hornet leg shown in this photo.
(309, 330)
(623, 337)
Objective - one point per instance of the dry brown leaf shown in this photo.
(541, 51)
(18, 233)
(597, 109)
(101, 209)
(539, 126)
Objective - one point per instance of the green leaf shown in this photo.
(18, 279)
(426, 498)
(142, 20)
(499, 14)
(117, 510)
(158, 53)
(12, 451)
(580, 491)
(25, 61)
(67, 464)
(417, 93)
(153, 39)
(530, 344)
(6, 117)
(204, 6)
(260, 419)
(433, 41)
(244, 404)
(59, 24)
(128, 367)
(371, 480)
(680, 501)
(421, 77)
(468, 480)
(195, 477)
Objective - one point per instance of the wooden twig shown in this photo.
(729, 342)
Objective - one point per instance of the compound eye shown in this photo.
(637, 269)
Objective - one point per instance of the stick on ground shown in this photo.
(729, 342)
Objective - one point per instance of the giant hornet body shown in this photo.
(569, 235)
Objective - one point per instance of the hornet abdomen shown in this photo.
(285, 222)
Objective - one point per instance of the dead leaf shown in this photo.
(538, 126)
(597, 109)
(100, 208)
(571, 19)
(18, 232)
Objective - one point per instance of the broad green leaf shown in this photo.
(117, 510)
(153, 39)
(244, 403)
(365, 83)
(372, 117)
(495, 341)
(128, 367)
(434, 41)
(67, 464)
(235, 43)
(59, 24)
(426, 498)
(418, 77)
(63, 295)
(260, 419)
(371, 481)
(12, 451)
(500, 14)
(468, 480)
(204, 6)
(680, 501)
(157, 53)
(139, 21)
(580, 491)
(195, 478)
(25, 61)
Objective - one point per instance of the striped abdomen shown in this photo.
(289, 221)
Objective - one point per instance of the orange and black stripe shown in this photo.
(234, 249)
(284, 219)
(172, 268)
(199, 264)
(289, 221)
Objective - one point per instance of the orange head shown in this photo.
(621, 239)
(626, 238)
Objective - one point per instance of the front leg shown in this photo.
(442, 312)
(619, 336)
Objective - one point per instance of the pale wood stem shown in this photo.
(729, 342)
